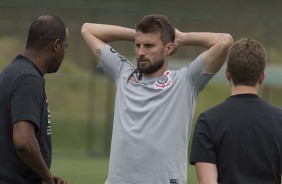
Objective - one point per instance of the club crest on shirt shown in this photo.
(164, 81)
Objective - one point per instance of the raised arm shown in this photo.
(97, 35)
(206, 173)
(217, 45)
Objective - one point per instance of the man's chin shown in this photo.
(145, 71)
(52, 71)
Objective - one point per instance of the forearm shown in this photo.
(217, 45)
(202, 39)
(31, 156)
(97, 35)
(108, 33)
(28, 150)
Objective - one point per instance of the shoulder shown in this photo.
(22, 65)
(217, 110)
(273, 109)
(18, 71)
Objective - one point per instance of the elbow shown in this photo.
(22, 143)
(21, 146)
(84, 28)
(227, 40)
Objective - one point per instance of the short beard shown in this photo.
(152, 68)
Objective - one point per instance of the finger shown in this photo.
(58, 180)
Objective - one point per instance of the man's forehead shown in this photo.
(147, 36)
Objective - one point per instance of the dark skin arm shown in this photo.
(29, 151)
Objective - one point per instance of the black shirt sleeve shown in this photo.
(202, 149)
(27, 95)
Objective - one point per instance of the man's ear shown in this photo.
(262, 77)
(56, 44)
(227, 74)
(169, 49)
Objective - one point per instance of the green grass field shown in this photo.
(81, 169)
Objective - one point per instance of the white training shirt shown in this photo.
(152, 121)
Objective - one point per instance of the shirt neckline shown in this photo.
(20, 56)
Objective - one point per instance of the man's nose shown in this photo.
(141, 51)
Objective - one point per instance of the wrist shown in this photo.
(48, 178)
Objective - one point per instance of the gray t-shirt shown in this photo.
(152, 121)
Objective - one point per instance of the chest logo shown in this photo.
(164, 81)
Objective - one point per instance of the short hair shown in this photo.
(246, 61)
(154, 23)
(45, 29)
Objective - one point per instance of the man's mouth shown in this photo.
(143, 60)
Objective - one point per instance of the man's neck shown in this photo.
(235, 90)
(35, 58)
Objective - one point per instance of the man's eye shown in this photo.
(149, 45)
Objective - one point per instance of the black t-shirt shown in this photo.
(243, 137)
(22, 98)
